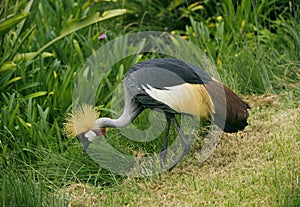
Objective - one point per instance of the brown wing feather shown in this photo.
(230, 111)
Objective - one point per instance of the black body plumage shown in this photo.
(157, 72)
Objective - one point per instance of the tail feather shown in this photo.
(230, 111)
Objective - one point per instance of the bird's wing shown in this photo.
(166, 72)
(162, 83)
(179, 87)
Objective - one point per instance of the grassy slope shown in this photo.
(257, 167)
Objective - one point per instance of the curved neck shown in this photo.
(131, 110)
(115, 123)
(124, 120)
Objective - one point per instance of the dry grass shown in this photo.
(257, 167)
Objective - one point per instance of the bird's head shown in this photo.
(81, 123)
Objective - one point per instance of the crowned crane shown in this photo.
(172, 87)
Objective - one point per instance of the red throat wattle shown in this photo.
(102, 132)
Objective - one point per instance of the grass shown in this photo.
(44, 43)
(20, 190)
(258, 167)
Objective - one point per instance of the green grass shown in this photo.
(20, 190)
(44, 43)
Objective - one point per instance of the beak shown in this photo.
(84, 142)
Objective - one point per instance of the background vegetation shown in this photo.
(255, 46)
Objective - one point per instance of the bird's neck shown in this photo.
(131, 110)
(115, 123)
(124, 120)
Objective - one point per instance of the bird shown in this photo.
(170, 86)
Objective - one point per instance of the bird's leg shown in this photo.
(185, 143)
(163, 152)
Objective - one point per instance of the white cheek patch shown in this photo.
(90, 135)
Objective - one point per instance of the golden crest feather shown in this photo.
(80, 120)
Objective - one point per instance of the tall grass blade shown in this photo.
(8, 24)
